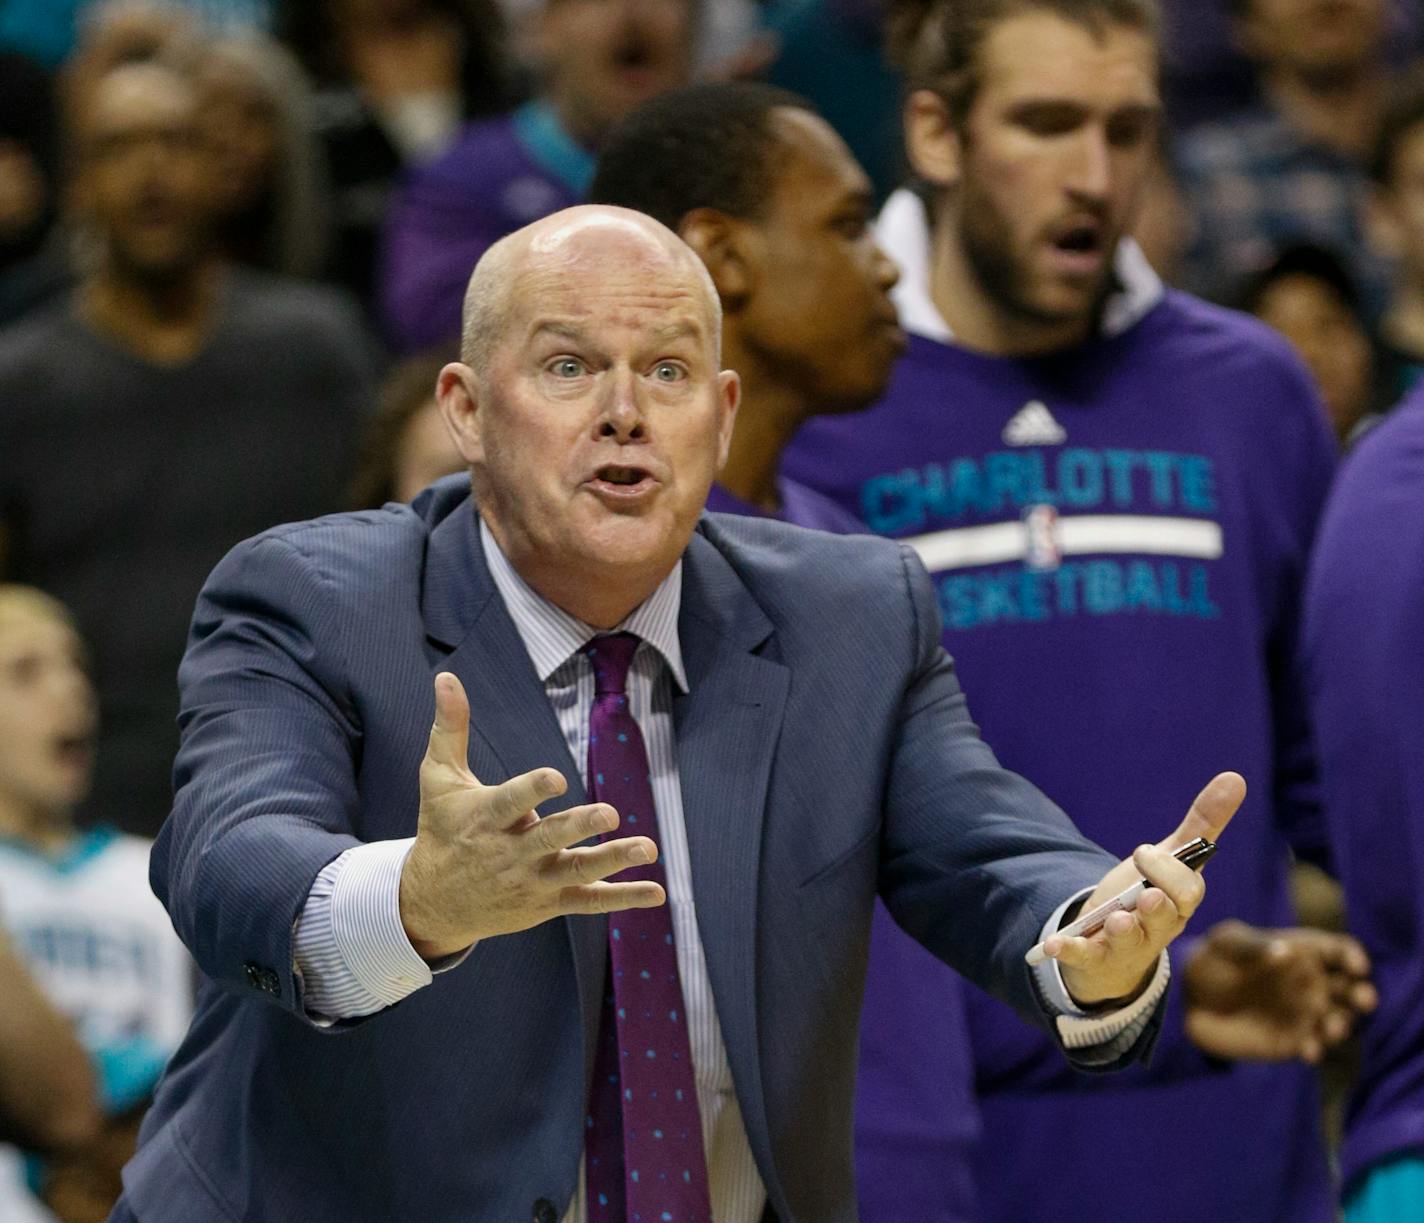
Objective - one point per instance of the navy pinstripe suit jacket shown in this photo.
(825, 753)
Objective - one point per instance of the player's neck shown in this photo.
(42, 828)
(165, 321)
(768, 417)
(982, 323)
(1342, 111)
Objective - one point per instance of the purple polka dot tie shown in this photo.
(644, 1140)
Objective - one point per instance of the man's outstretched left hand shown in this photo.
(1116, 963)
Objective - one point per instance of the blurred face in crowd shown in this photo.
(815, 302)
(424, 453)
(1330, 339)
(1044, 176)
(598, 417)
(1314, 38)
(238, 120)
(47, 711)
(143, 180)
(1401, 202)
(604, 58)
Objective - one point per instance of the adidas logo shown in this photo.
(1033, 425)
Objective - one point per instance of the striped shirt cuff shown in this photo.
(1110, 1034)
(351, 951)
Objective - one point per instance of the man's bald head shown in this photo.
(517, 264)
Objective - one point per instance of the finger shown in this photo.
(1335, 1027)
(1077, 952)
(591, 863)
(1210, 811)
(610, 897)
(450, 735)
(566, 828)
(1342, 952)
(511, 801)
(1157, 919)
(1183, 886)
(1364, 998)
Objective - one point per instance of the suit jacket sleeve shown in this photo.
(265, 791)
(975, 859)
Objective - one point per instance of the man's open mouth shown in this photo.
(623, 476)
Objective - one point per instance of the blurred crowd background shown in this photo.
(235, 234)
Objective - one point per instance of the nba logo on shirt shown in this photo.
(1041, 549)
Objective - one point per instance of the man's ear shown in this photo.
(932, 142)
(720, 242)
(457, 393)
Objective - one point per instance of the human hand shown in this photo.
(1117, 962)
(1271, 995)
(484, 863)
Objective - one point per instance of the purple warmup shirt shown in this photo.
(915, 1119)
(499, 176)
(1118, 536)
(1364, 652)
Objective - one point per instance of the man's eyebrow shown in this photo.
(681, 329)
(570, 331)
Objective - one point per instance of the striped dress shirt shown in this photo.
(353, 957)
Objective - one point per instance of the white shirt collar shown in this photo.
(903, 230)
(551, 635)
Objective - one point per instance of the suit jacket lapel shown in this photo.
(727, 727)
(513, 728)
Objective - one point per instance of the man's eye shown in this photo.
(668, 371)
(567, 367)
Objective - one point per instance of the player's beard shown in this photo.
(986, 237)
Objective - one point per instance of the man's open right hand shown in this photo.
(484, 863)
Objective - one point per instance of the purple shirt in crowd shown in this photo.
(916, 1123)
(1364, 654)
(1118, 536)
(499, 176)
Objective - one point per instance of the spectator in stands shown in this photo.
(29, 268)
(1307, 295)
(1398, 172)
(406, 445)
(1292, 170)
(269, 171)
(78, 905)
(117, 32)
(167, 408)
(394, 79)
(599, 60)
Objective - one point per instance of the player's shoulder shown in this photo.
(1216, 345)
(1202, 326)
(1393, 450)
